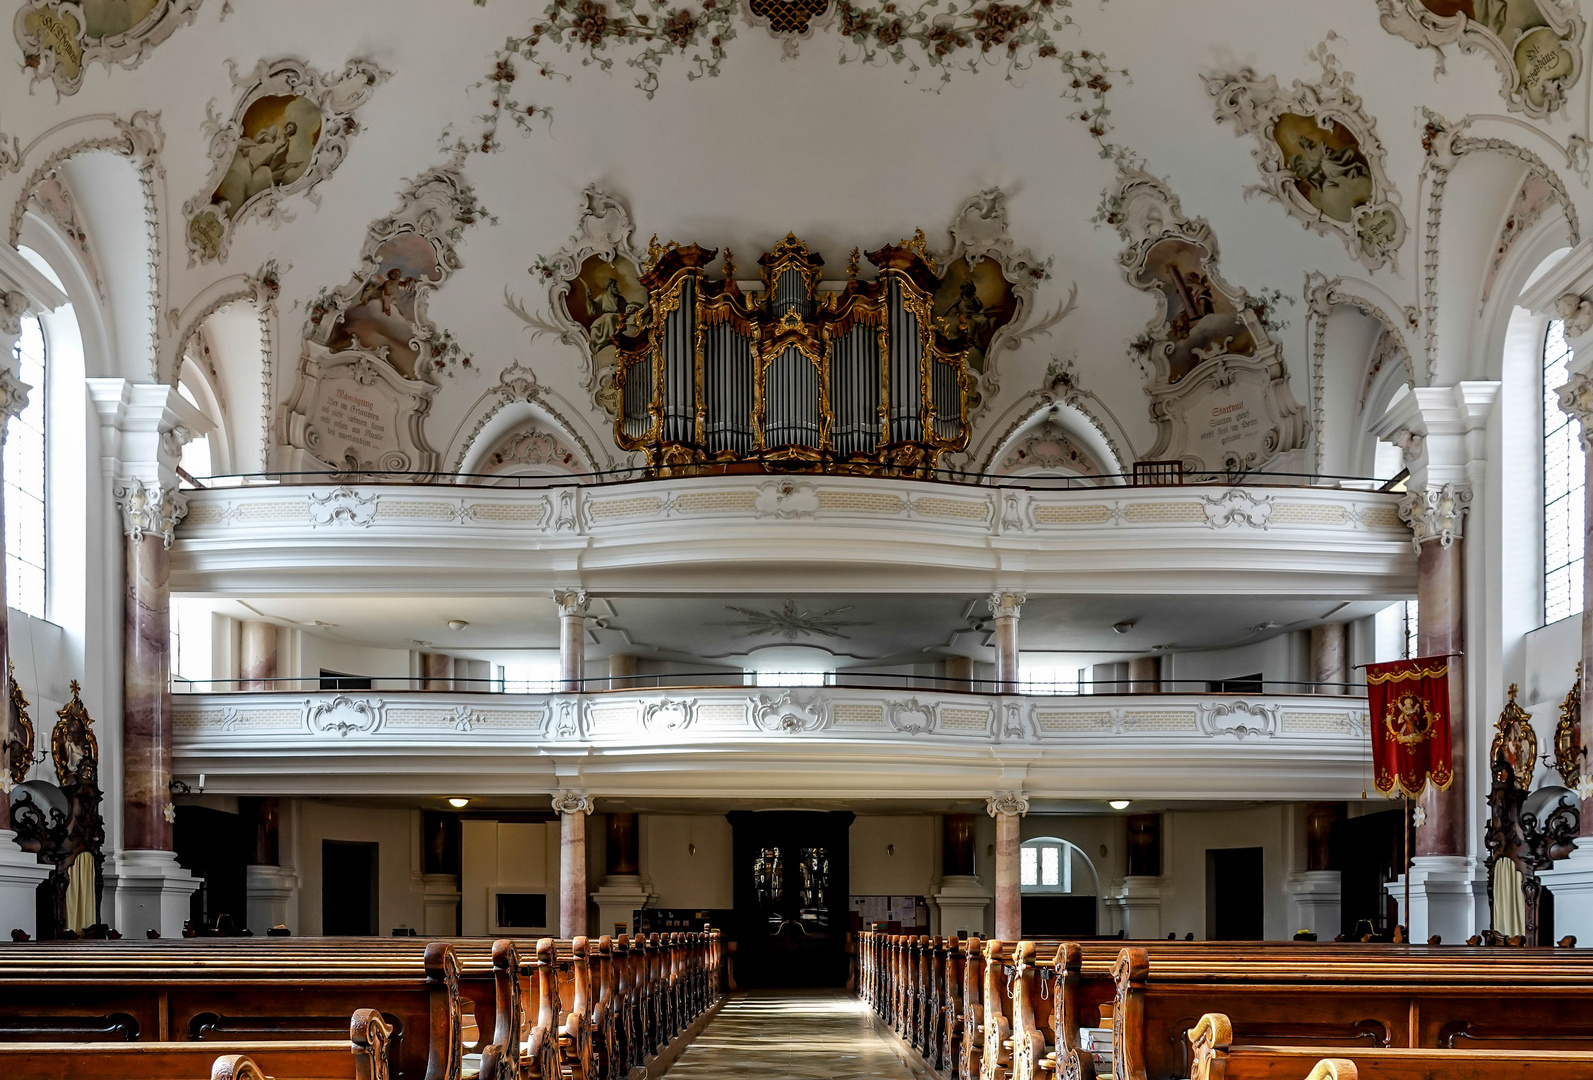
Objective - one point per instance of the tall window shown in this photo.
(1564, 478)
(1046, 864)
(1412, 624)
(24, 480)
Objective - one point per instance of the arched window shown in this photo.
(1564, 481)
(25, 479)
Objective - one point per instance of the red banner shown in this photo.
(1409, 702)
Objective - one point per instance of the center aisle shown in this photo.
(790, 1035)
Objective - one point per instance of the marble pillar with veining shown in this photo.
(257, 655)
(1005, 607)
(572, 605)
(1008, 809)
(1329, 656)
(147, 811)
(1145, 674)
(436, 671)
(1440, 632)
(572, 808)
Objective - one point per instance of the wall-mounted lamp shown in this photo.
(1118, 804)
(890, 849)
(457, 803)
(691, 849)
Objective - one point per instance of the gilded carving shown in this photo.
(1537, 44)
(1319, 155)
(289, 131)
(1568, 750)
(61, 38)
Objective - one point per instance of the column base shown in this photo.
(617, 901)
(1448, 897)
(1571, 882)
(440, 917)
(1316, 902)
(1138, 903)
(147, 890)
(962, 901)
(20, 876)
(270, 892)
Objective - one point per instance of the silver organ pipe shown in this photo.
(861, 379)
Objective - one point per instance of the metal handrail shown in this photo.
(746, 680)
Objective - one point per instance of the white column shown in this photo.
(572, 605)
(1008, 809)
(1005, 606)
(572, 808)
(20, 871)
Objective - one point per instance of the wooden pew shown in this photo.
(362, 1056)
(1216, 1058)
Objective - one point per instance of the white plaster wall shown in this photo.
(398, 867)
(311, 653)
(514, 856)
(679, 878)
(1280, 659)
(1187, 835)
(912, 869)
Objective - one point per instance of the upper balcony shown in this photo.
(1264, 534)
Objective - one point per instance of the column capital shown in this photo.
(571, 602)
(1576, 401)
(1013, 803)
(13, 395)
(1441, 431)
(572, 802)
(1435, 513)
(1006, 603)
(149, 509)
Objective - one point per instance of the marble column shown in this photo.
(268, 888)
(572, 808)
(1316, 893)
(1145, 674)
(257, 655)
(621, 671)
(1008, 809)
(1005, 607)
(572, 604)
(623, 889)
(436, 671)
(150, 515)
(1435, 515)
(1329, 656)
(958, 672)
(20, 871)
(962, 898)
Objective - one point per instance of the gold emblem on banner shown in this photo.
(1409, 719)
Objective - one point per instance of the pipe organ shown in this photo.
(867, 377)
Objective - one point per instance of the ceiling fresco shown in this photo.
(277, 134)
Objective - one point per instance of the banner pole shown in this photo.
(1406, 911)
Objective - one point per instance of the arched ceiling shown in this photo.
(843, 146)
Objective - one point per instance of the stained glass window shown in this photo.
(25, 480)
(1564, 480)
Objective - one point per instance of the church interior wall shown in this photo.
(687, 858)
(1282, 658)
(396, 831)
(1188, 835)
(895, 854)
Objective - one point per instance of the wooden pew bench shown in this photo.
(1216, 1058)
(363, 1056)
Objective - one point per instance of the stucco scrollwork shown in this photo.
(1237, 507)
(289, 130)
(572, 802)
(1218, 385)
(61, 38)
(1435, 513)
(1238, 718)
(1537, 47)
(791, 713)
(1576, 401)
(786, 499)
(911, 717)
(1577, 312)
(148, 509)
(1007, 802)
(342, 506)
(344, 715)
(1006, 604)
(1319, 155)
(668, 714)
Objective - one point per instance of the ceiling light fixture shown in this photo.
(457, 803)
(457, 624)
(1122, 627)
(1118, 804)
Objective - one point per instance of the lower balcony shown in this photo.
(814, 743)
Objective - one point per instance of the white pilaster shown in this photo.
(617, 901)
(1448, 897)
(147, 890)
(1316, 902)
(1137, 902)
(962, 901)
(440, 895)
(269, 892)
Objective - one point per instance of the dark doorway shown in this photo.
(348, 887)
(793, 910)
(1235, 904)
(1059, 916)
(214, 845)
(1368, 850)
